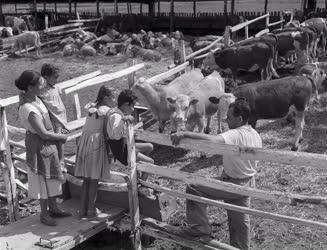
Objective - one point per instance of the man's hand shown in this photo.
(177, 137)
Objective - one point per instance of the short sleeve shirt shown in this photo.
(236, 167)
(53, 102)
(116, 127)
(26, 109)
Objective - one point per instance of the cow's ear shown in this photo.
(194, 101)
(171, 100)
(214, 99)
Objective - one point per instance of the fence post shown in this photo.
(227, 36)
(131, 77)
(267, 21)
(172, 14)
(46, 21)
(8, 167)
(246, 30)
(133, 192)
(282, 23)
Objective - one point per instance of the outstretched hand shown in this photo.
(128, 118)
(177, 137)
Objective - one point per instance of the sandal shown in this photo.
(47, 220)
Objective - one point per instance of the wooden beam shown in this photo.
(285, 157)
(204, 49)
(76, 80)
(70, 8)
(244, 24)
(104, 78)
(188, 178)
(194, 8)
(159, 7)
(2, 19)
(44, 6)
(62, 27)
(133, 190)
(165, 75)
(55, 7)
(245, 210)
(84, 20)
(116, 7)
(75, 8)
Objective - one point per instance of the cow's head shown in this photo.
(223, 103)
(209, 64)
(319, 76)
(179, 106)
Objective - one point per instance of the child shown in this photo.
(117, 129)
(52, 100)
(92, 158)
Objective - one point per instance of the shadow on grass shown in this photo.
(201, 163)
(164, 155)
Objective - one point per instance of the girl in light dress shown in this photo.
(92, 157)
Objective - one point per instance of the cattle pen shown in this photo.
(71, 233)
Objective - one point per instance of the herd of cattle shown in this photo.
(193, 97)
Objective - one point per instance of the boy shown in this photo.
(52, 100)
(117, 129)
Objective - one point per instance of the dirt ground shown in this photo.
(265, 234)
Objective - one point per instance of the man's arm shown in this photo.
(177, 137)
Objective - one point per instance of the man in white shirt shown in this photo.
(236, 170)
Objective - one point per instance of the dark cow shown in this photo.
(248, 58)
(273, 99)
(297, 41)
(18, 24)
(321, 26)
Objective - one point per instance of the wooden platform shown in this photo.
(70, 231)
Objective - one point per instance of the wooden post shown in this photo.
(181, 44)
(141, 8)
(128, 11)
(232, 7)
(8, 171)
(194, 8)
(77, 106)
(55, 8)
(225, 11)
(282, 23)
(44, 6)
(16, 7)
(116, 7)
(267, 22)
(325, 5)
(246, 30)
(159, 7)
(70, 8)
(46, 21)
(75, 8)
(98, 8)
(172, 14)
(35, 11)
(227, 36)
(131, 77)
(151, 8)
(266, 6)
(133, 194)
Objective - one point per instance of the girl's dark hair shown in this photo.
(126, 96)
(241, 108)
(27, 78)
(103, 92)
(49, 69)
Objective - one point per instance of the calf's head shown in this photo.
(223, 103)
(179, 106)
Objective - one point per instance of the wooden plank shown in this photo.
(229, 187)
(262, 32)
(9, 101)
(204, 49)
(133, 194)
(244, 24)
(165, 75)
(62, 27)
(69, 232)
(284, 157)
(8, 171)
(165, 231)
(104, 78)
(15, 130)
(77, 107)
(250, 211)
(275, 23)
(76, 80)
(84, 20)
